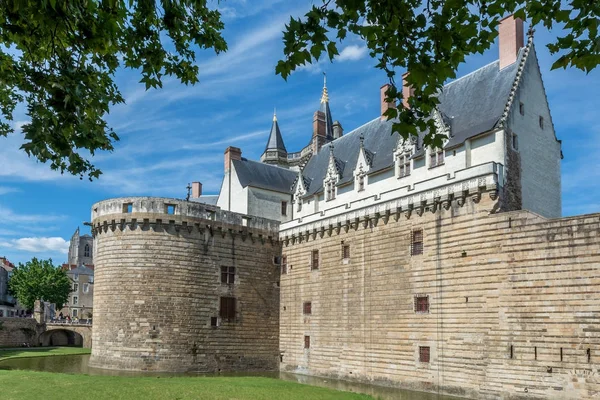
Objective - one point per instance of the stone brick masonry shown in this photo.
(158, 287)
(513, 303)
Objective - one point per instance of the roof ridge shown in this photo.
(265, 164)
(516, 82)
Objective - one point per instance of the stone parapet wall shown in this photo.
(16, 331)
(158, 287)
(498, 285)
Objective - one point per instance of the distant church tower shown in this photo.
(275, 151)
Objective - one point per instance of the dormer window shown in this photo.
(361, 182)
(330, 191)
(403, 165)
(436, 157)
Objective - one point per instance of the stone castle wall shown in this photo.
(16, 331)
(498, 285)
(158, 287)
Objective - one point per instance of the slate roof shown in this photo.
(377, 140)
(210, 199)
(81, 270)
(475, 103)
(470, 105)
(275, 141)
(264, 176)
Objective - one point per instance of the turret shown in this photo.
(275, 151)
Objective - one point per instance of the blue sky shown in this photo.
(176, 135)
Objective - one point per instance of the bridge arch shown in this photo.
(66, 335)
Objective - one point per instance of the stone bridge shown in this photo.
(66, 334)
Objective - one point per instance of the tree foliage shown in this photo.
(59, 57)
(431, 38)
(40, 280)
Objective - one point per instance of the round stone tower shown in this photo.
(183, 286)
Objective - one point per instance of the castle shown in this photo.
(370, 258)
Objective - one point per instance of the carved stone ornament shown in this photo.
(475, 197)
(460, 201)
(494, 194)
(446, 204)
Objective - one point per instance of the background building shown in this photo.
(81, 299)
(81, 250)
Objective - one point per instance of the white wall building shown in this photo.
(499, 135)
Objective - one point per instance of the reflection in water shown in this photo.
(78, 364)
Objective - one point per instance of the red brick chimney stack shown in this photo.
(384, 104)
(407, 91)
(510, 33)
(231, 153)
(196, 190)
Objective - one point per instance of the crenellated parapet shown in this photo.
(177, 216)
(433, 196)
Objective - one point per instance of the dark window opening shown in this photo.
(515, 142)
(315, 259)
(307, 342)
(86, 251)
(346, 251)
(228, 275)
(541, 122)
(276, 260)
(511, 351)
(521, 108)
(561, 354)
(589, 355)
(307, 308)
(424, 354)
(284, 208)
(283, 265)
(535, 353)
(416, 246)
(227, 311)
(422, 304)
(214, 321)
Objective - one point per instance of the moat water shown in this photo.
(78, 364)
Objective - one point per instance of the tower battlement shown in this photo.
(161, 213)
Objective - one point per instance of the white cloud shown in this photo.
(352, 53)
(8, 216)
(38, 244)
(7, 189)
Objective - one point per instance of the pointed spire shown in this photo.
(275, 141)
(325, 95)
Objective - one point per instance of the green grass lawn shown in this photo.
(41, 352)
(23, 385)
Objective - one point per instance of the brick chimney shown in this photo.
(407, 91)
(232, 153)
(319, 127)
(510, 32)
(196, 190)
(384, 104)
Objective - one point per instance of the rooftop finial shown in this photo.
(325, 95)
(274, 114)
(362, 141)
